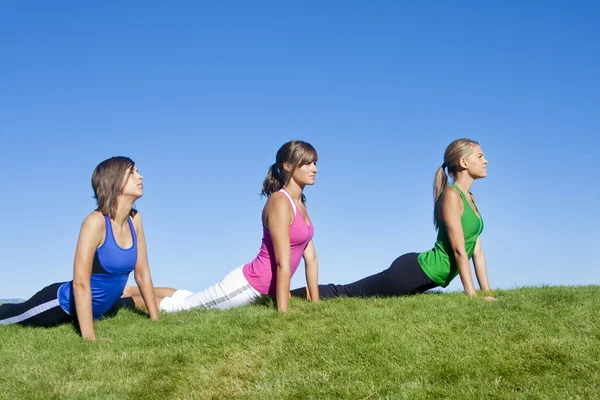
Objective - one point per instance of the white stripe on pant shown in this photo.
(31, 312)
(232, 291)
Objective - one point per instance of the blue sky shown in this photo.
(202, 94)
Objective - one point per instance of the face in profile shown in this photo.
(133, 186)
(305, 174)
(476, 163)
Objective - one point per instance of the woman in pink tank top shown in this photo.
(287, 238)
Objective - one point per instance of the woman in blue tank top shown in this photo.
(111, 244)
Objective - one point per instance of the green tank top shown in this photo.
(439, 263)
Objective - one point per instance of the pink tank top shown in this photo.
(261, 272)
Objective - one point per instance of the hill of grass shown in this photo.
(535, 343)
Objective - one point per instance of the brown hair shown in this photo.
(456, 150)
(108, 182)
(296, 153)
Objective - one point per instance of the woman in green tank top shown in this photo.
(459, 225)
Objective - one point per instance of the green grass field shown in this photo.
(535, 343)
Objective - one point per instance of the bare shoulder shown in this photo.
(451, 194)
(451, 201)
(137, 220)
(278, 206)
(277, 201)
(94, 221)
(93, 229)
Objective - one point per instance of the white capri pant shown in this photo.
(232, 291)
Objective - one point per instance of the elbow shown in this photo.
(459, 254)
(282, 268)
(80, 286)
(283, 263)
(283, 271)
(311, 261)
(140, 277)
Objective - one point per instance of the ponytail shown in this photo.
(273, 182)
(440, 181)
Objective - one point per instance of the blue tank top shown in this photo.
(110, 271)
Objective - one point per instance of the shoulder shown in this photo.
(451, 194)
(137, 220)
(94, 220)
(93, 227)
(278, 200)
(278, 204)
(451, 200)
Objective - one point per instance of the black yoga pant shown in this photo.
(403, 277)
(42, 309)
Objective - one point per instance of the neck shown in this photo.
(294, 190)
(464, 182)
(124, 207)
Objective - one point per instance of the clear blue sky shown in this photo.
(202, 94)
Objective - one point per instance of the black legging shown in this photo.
(403, 277)
(42, 309)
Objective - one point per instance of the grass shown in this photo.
(535, 343)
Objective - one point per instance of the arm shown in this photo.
(480, 267)
(451, 211)
(142, 270)
(279, 217)
(312, 272)
(90, 237)
(481, 271)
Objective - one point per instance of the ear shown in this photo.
(463, 163)
(287, 166)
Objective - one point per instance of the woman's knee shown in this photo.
(130, 291)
